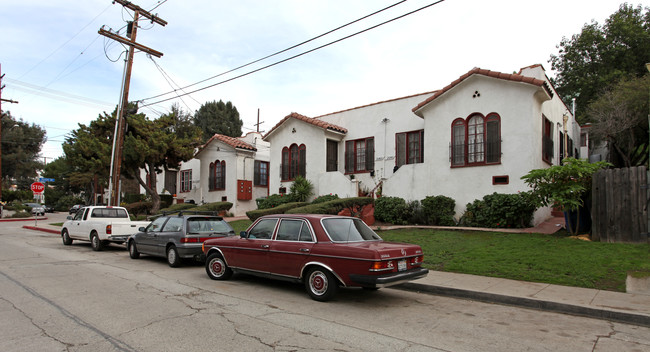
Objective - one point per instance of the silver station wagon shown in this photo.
(178, 236)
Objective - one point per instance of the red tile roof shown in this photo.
(479, 71)
(316, 122)
(231, 141)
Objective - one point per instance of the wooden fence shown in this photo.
(619, 209)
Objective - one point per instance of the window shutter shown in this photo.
(284, 168)
(349, 156)
(256, 173)
(421, 146)
(211, 177)
(401, 149)
(303, 161)
(223, 175)
(493, 149)
(370, 154)
(458, 144)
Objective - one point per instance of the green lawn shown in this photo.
(554, 259)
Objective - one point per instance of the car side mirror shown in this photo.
(69, 217)
(243, 234)
(141, 229)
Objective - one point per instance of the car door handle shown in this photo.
(265, 246)
(304, 249)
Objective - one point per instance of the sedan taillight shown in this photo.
(385, 265)
(417, 260)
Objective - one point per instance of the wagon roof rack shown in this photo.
(191, 212)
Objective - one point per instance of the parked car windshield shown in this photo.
(349, 230)
(197, 225)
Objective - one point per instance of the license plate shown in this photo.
(401, 265)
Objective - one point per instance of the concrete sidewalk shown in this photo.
(608, 305)
(614, 306)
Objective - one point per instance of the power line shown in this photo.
(56, 94)
(64, 44)
(295, 56)
(281, 51)
(170, 81)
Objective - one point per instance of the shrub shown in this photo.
(499, 210)
(217, 206)
(280, 209)
(393, 210)
(166, 200)
(134, 198)
(177, 207)
(332, 207)
(10, 196)
(301, 189)
(439, 210)
(139, 208)
(417, 213)
(21, 214)
(273, 201)
(64, 203)
(325, 198)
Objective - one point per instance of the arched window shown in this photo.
(476, 140)
(294, 162)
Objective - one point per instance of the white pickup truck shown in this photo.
(100, 225)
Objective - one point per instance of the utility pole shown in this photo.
(9, 101)
(258, 121)
(120, 124)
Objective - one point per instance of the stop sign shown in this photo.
(38, 187)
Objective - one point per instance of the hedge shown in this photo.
(178, 207)
(280, 209)
(332, 207)
(218, 207)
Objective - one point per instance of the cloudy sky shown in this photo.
(63, 73)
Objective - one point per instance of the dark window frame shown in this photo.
(217, 176)
(359, 160)
(475, 140)
(261, 173)
(185, 177)
(547, 140)
(404, 150)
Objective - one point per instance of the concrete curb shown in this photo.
(21, 219)
(622, 317)
(36, 228)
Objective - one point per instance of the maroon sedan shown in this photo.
(322, 251)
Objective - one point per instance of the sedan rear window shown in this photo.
(349, 230)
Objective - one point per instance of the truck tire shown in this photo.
(172, 257)
(95, 242)
(66, 237)
(133, 250)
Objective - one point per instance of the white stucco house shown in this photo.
(228, 169)
(476, 136)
